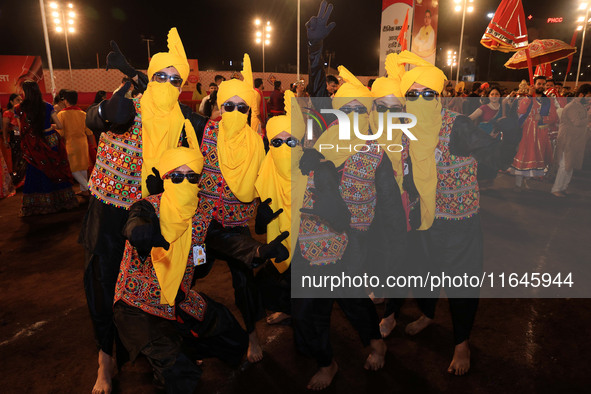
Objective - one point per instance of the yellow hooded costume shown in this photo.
(390, 86)
(240, 149)
(351, 90)
(277, 181)
(428, 113)
(177, 208)
(162, 119)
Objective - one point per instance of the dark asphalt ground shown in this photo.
(518, 345)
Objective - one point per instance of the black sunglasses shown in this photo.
(383, 108)
(428, 95)
(289, 141)
(230, 106)
(161, 77)
(178, 177)
(360, 109)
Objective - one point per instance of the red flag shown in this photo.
(402, 35)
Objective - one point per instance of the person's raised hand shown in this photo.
(317, 27)
(265, 215)
(275, 249)
(154, 182)
(116, 60)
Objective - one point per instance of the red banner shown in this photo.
(14, 70)
(424, 29)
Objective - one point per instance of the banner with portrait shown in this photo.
(424, 29)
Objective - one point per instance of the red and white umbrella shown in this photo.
(541, 52)
(506, 31)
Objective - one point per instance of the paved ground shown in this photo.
(518, 345)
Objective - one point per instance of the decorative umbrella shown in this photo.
(540, 52)
(506, 31)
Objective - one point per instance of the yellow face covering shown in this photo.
(383, 87)
(351, 90)
(277, 181)
(240, 149)
(162, 119)
(177, 208)
(428, 113)
(233, 123)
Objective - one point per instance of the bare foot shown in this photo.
(418, 325)
(377, 357)
(376, 300)
(460, 363)
(255, 352)
(277, 317)
(103, 384)
(323, 378)
(387, 325)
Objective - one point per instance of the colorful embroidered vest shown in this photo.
(215, 195)
(116, 177)
(457, 195)
(318, 243)
(137, 284)
(358, 186)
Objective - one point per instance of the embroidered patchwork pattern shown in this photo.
(358, 187)
(215, 195)
(116, 177)
(137, 284)
(458, 196)
(318, 243)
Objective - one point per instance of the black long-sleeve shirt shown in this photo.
(95, 123)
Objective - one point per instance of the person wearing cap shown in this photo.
(233, 154)
(350, 203)
(136, 133)
(444, 207)
(156, 311)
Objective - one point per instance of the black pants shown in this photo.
(311, 323)
(454, 247)
(100, 278)
(172, 346)
(275, 288)
(414, 264)
(246, 294)
(104, 244)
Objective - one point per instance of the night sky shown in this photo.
(220, 31)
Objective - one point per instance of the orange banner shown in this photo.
(14, 70)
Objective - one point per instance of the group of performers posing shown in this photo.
(172, 191)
